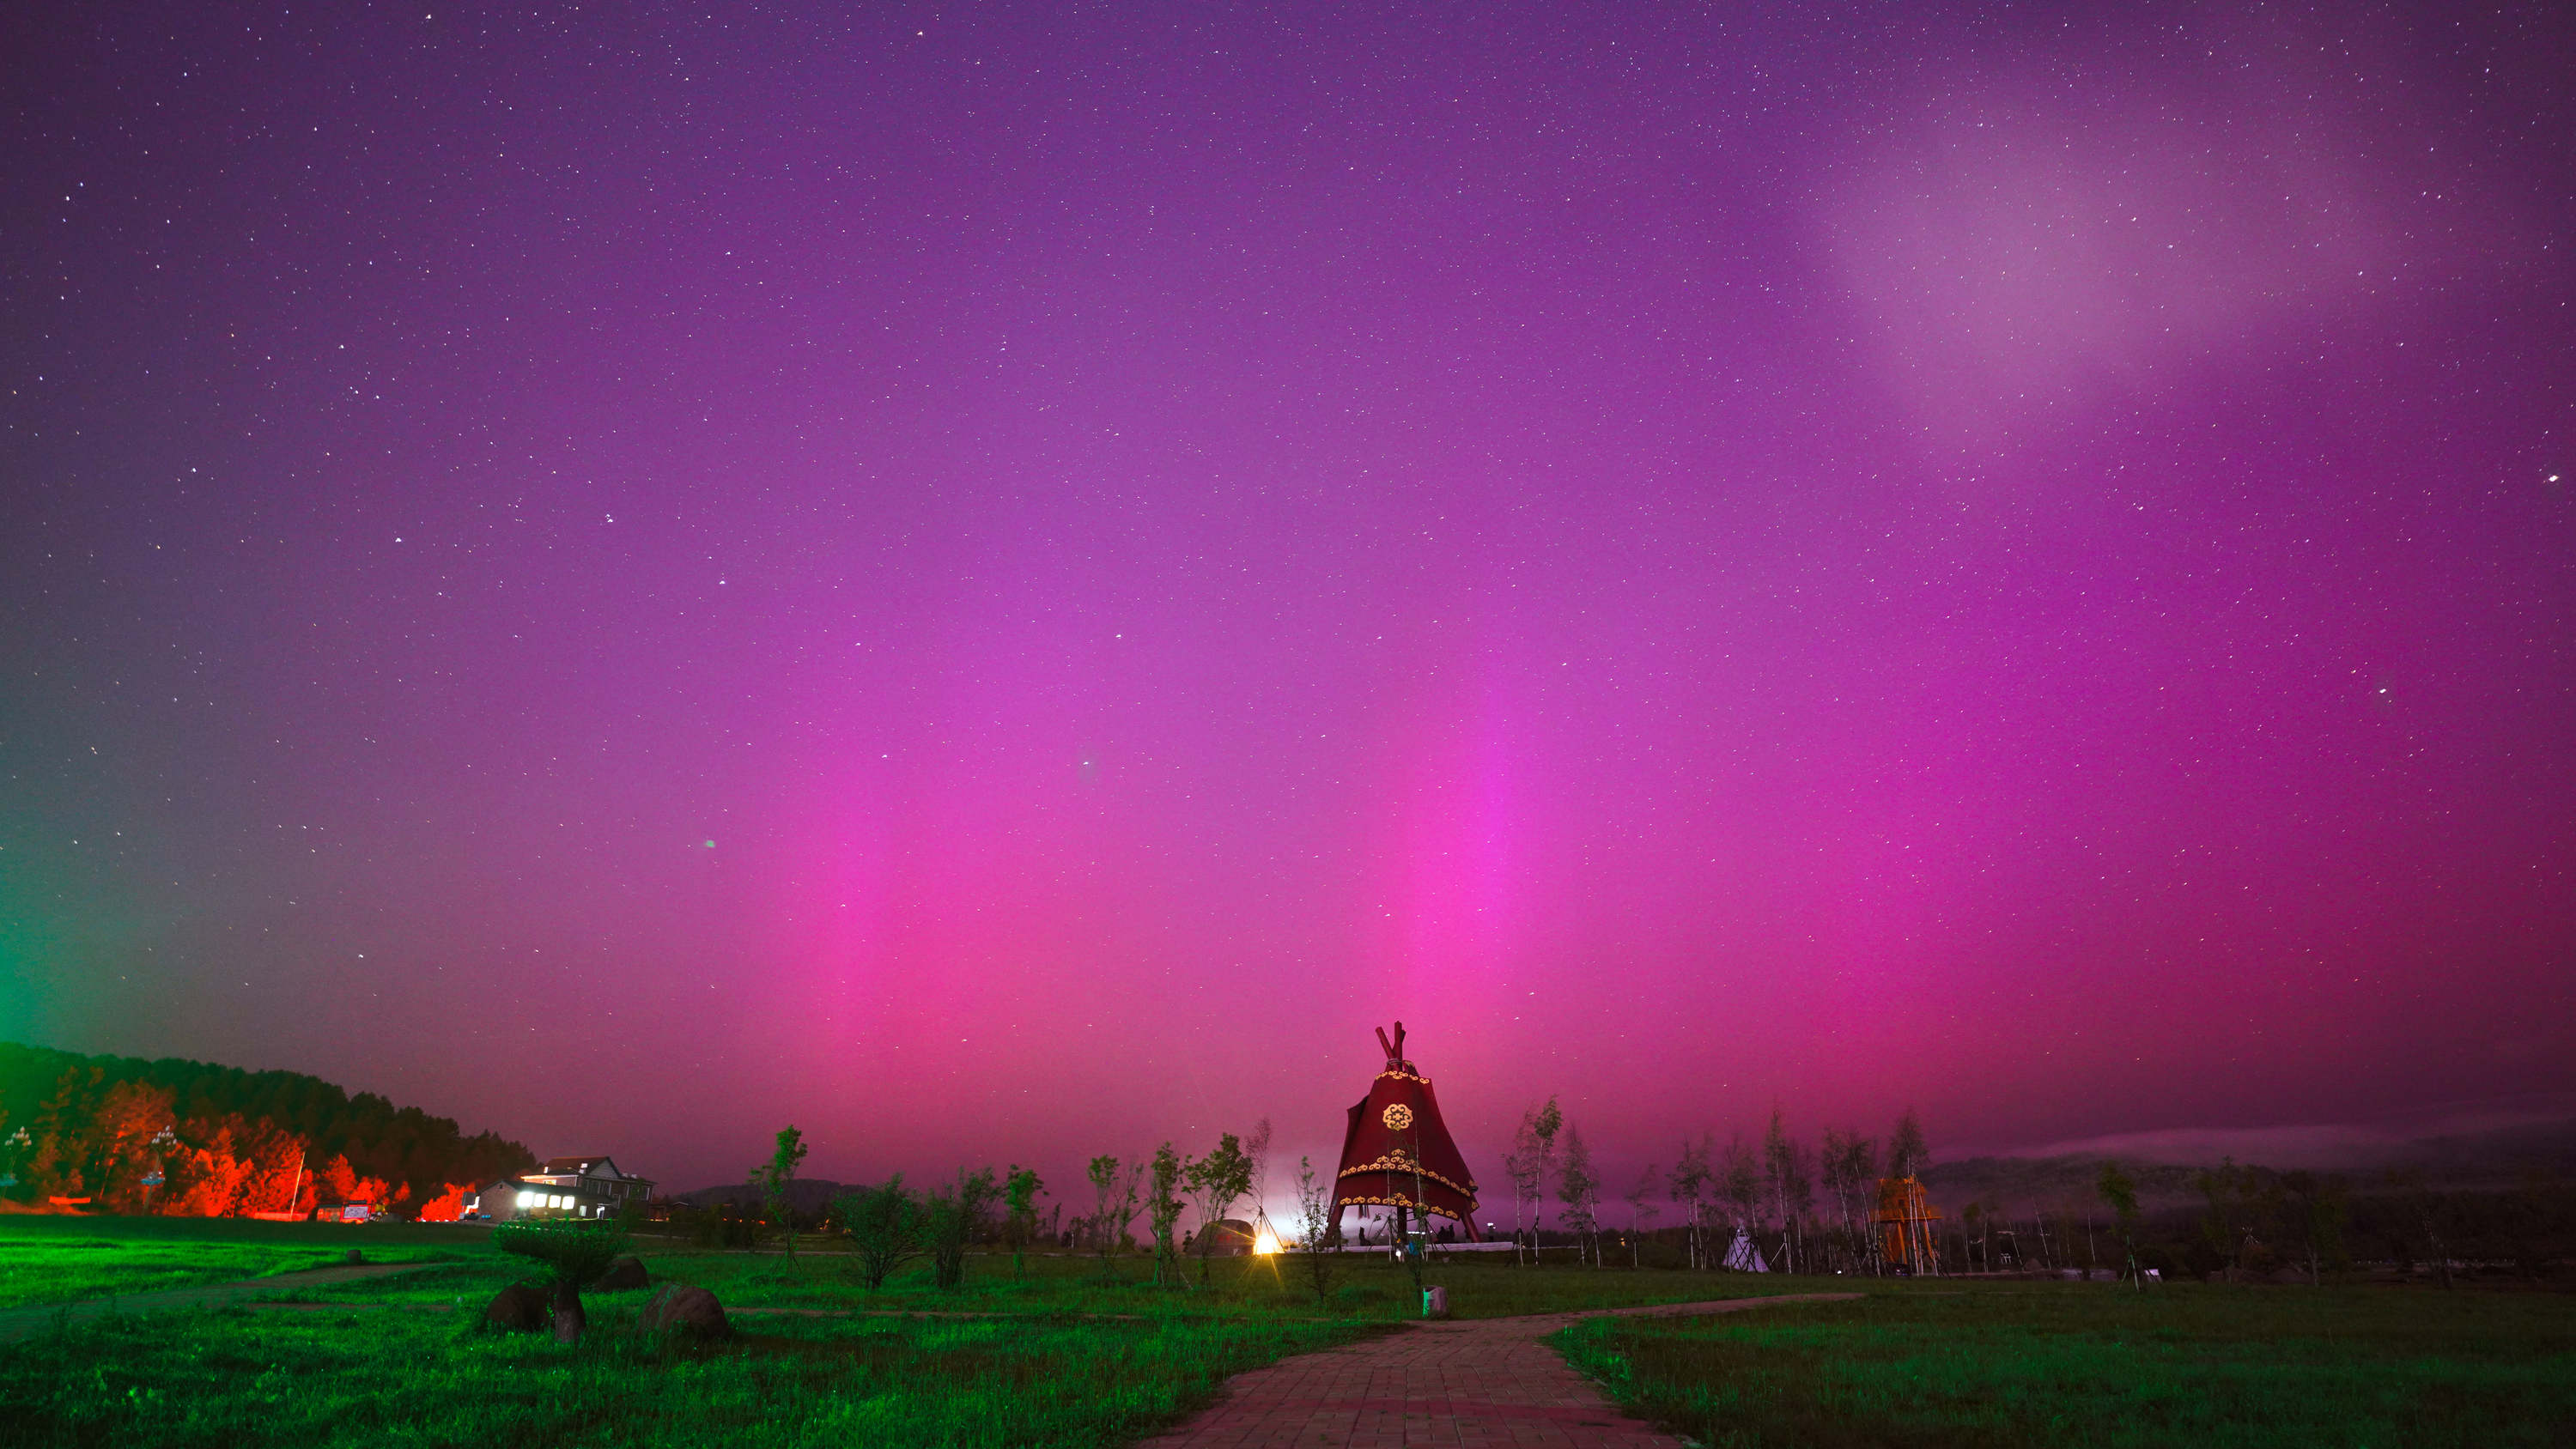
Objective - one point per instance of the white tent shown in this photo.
(1743, 1257)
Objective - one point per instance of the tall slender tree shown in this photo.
(1580, 1191)
(1530, 1163)
(1779, 1167)
(1908, 1153)
(1314, 1227)
(1020, 1189)
(1641, 1212)
(1163, 1213)
(1114, 1205)
(1256, 1148)
(2121, 1193)
(774, 1177)
(1689, 1183)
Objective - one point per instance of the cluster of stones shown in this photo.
(677, 1308)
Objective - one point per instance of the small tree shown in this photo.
(1641, 1212)
(885, 1227)
(1315, 1227)
(576, 1252)
(2428, 1210)
(2122, 1194)
(1020, 1189)
(1689, 1183)
(1216, 1182)
(2314, 1208)
(1256, 1148)
(1163, 1212)
(1908, 1153)
(1529, 1165)
(1580, 1192)
(1740, 1182)
(1114, 1198)
(952, 1218)
(1849, 1165)
(2227, 1197)
(772, 1179)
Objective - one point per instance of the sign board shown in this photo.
(355, 1212)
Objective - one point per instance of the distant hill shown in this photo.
(2029, 1184)
(59, 1096)
(2485, 1158)
(806, 1195)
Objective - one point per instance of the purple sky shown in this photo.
(1004, 583)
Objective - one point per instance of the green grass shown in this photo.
(47, 1260)
(239, 1377)
(2028, 1364)
(1069, 1355)
(1369, 1289)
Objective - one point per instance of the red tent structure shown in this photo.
(1397, 1152)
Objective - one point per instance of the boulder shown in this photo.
(624, 1275)
(353, 1258)
(682, 1308)
(518, 1309)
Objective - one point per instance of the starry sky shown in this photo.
(1003, 582)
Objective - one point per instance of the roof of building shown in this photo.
(557, 1165)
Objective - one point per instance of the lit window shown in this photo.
(530, 1199)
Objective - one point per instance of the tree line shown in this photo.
(196, 1139)
(892, 1223)
(1792, 1207)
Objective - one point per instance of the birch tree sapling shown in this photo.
(1908, 1154)
(1641, 1212)
(1256, 1149)
(1315, 1228)
(1113, 1205)
(1860, 1176)
(1580, 1191)
(1689, 1183)
(1531, 1162)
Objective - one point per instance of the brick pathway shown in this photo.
(1486, 1381)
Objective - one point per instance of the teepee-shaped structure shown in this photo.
(1398, 1153)
(1743, 1257)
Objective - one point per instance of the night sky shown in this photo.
(1003, 583)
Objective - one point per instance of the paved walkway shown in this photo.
(1480, 1382)
(18, 1323)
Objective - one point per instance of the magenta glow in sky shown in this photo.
(1004, 583)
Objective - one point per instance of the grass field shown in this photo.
(1066, 1355)
(61, 1259)
(2013, 1364)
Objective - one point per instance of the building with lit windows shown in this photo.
(579, 1187)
